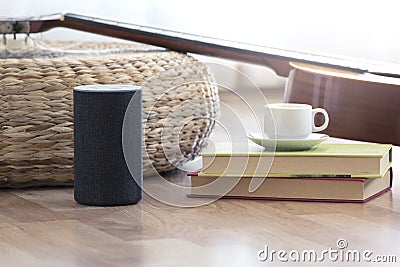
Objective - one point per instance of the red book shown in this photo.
(328, 189)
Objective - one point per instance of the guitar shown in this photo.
(360, 96)
(277, 59)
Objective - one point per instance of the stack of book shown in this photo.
(330, 172)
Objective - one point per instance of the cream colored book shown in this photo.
(326, 160)
(333, 189)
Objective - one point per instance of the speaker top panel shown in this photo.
(107, 88)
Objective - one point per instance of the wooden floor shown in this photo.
(46, 227)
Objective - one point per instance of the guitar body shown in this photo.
(362, 107)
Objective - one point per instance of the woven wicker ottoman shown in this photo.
(180, 104)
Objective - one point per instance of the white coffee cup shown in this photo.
(292, 121)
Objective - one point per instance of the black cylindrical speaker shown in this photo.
(107, 144)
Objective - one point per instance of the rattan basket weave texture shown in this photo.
(180, 104)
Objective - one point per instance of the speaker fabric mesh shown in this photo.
(101, 172)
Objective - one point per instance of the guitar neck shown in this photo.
(277, 59)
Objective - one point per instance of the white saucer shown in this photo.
(310, 142)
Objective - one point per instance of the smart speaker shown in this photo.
(103, 115)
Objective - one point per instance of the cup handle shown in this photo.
(326, 119)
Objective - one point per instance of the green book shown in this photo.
(326, 160)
